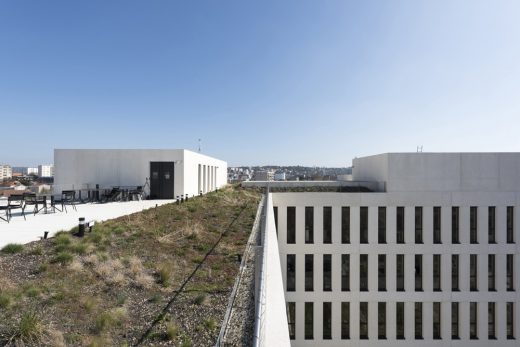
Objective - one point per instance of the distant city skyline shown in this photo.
(269, 83)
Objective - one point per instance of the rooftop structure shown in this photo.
(164, 173)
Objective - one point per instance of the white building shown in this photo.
(280, 176)
(263, 175)
(430, 257)
(33, 171)
(164, 173)
(6, 172)
(45, 170)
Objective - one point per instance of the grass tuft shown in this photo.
(172, 331)
(12, 248)
(164, 274)
(63, 258)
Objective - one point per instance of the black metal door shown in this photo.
(161, 179)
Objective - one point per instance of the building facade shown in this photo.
(164, 173)
(6, 172)
(45, 170)
(429, 257)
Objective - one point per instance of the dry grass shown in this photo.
(105, 289)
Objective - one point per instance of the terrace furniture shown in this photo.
(14, 202)
(31, 199)
(113, 195)
(68, 197)
(5, 208)
(137, 192)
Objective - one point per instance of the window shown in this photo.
(436, 320)
(491, 224)
(455, 272)
(437, 225)
(473, 233)
(309, 272)
(345, 320)
(399, 225)
(455, 321)
(491, 321)
(291, 272)
(510, 272)
(455, 225)
(327, 272)
(510, 224)
(400, 272)
(510, 314)
(275, 211)
(473, 285)
(327, 320)
(381, 224)
(473, 332)
(491, 272)
(363, 272)
(363, 224)
(291, 319)
(345, 272)
(309, 224)
(345, 224)
(291, 224)
(381, 320)
(418, 225)
(418, 321)
(309, 320)
(437, 273)
(327, 224)
(381, 265)
(363, 320)
(418, 272)
(399, 318)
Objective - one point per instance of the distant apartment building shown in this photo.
(279, 176)
(427, 255)
(6, 172)
(46, 170)
(33, 171)
(263, 175)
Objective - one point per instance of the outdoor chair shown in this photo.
(15, 202)
(6, 209)
(113, 195)
(137, 192)
(39, 202)
(68, 197)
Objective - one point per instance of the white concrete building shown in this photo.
(164, 173)
(33, 171)
(6, 172)
(45, 170)
(430, 257)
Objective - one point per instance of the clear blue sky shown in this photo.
(264, 82)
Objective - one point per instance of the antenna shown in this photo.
(199, 145)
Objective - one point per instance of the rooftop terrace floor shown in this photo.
(23, 231)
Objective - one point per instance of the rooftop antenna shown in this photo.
(199, 145)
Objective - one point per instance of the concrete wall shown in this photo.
(84, 168)
(441, 171)
(409, 200)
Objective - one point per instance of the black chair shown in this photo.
(15, 202)
(68, 197)
(6, 209)
(137, 192)
(32, 199)
(113, 195)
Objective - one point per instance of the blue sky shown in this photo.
(266, 82)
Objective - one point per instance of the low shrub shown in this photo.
(62, 257)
